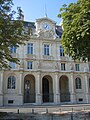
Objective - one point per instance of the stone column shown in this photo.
(1, 83)
(20, 99)
(1, 88)
(72, 89)
(87, 89)
(20, 83)
(38, 89)
(56, 93)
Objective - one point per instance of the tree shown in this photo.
(10, 32)
(76, 24)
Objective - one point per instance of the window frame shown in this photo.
(89, 83)
(61, 49)
(63, 66)
(77, 67)
(13, 49)
(30, 48)
(12, 65)
(89, 67)
(11, 82)
(46, 49)
(29, 65)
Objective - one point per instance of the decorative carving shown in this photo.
(85, 69)
(31, 56)
(71, 66)
(39, 64)
(46, 33)
(21, 64)
(46, 57)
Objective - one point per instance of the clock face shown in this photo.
(46, 26)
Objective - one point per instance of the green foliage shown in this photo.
(76, 24)
(10, 32)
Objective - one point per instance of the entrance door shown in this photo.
(45, 90)
(29, 89)
(64, 89)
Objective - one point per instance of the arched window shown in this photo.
(11, 84)
(78, 83)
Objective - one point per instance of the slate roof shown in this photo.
(29, 24)
(59, 30)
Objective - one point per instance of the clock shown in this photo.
(45, 26)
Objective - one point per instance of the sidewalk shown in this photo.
(46, 108)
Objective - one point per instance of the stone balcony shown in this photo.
(46, 57)
(15, 55)
(30, 56)
(64, 58)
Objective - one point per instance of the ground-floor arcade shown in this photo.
(19, 88)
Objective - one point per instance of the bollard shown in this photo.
(72, 114)
(18, 111)
(52, 117)
(72, 110)
(46, 110)
(89, 114)
(33, 111)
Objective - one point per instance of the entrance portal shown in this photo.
(29, 89)
(47, 89)
(64, 89)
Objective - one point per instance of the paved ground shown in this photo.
(46, 108)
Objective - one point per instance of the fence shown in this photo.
(78, 112)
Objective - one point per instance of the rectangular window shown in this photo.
(29, 64)
(89, 67)
(46, 49)
(13, 49)
(80, 100)
(10, 101)
(30, 48)
(61, 51)
(63, 66)
(12, 65)
(77, 67)
(89, 82)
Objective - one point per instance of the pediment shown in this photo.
(45, 19)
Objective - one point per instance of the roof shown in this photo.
(58, 29)
(29, 24)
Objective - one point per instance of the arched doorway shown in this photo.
(47, 89)
(64, 89)
(29, 89)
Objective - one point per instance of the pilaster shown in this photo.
(38, 89)
(20, 88)
(1, 88)
(72, 89)
(56, 89)
(86, 88)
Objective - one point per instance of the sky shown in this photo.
(34, 9)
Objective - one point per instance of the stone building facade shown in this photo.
(45, 75)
